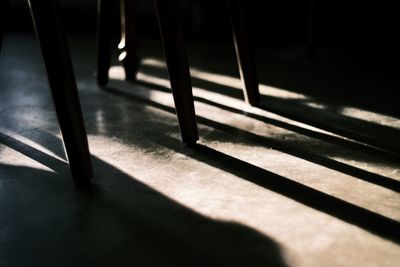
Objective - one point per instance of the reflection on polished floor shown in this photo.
(310, 178)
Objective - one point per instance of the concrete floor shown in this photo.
(297, 182)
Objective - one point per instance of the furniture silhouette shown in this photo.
(168, 14)
(53, 44)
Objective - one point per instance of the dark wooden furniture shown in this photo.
(244, 53)
(175, 54)
(174, 49)
(53, 44)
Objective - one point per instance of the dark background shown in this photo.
(362, 36)
(366, 23)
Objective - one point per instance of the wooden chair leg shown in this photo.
(104, 40)
(244, 54)
(45, 14)
(4, 5)
(128, 44)
(178, 67)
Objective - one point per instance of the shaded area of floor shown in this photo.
(286, 184)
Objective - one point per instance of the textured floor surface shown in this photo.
(311, 178)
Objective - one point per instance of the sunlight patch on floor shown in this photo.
(369, 116)
(267, 90)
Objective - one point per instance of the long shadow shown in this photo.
(363, 218)
(318, 135)
(119, 221)
(39, 156)
(376, 135)
(279, 146)
(339, 85)
(371, 133)
(42, 137)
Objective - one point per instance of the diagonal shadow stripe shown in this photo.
(279, 146)
(322, 136)
(353, 128)
(345, 211)
(33, 153)
(360, 131)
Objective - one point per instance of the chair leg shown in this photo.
(104, 40)
(128, 44)
(4, 5)
(244, 54)
(45, 14)
(178, 67)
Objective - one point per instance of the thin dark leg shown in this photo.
(128, 43)
(45, 14)
(104, 40)
(4, 5)
(178, 67)
(244, 54)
